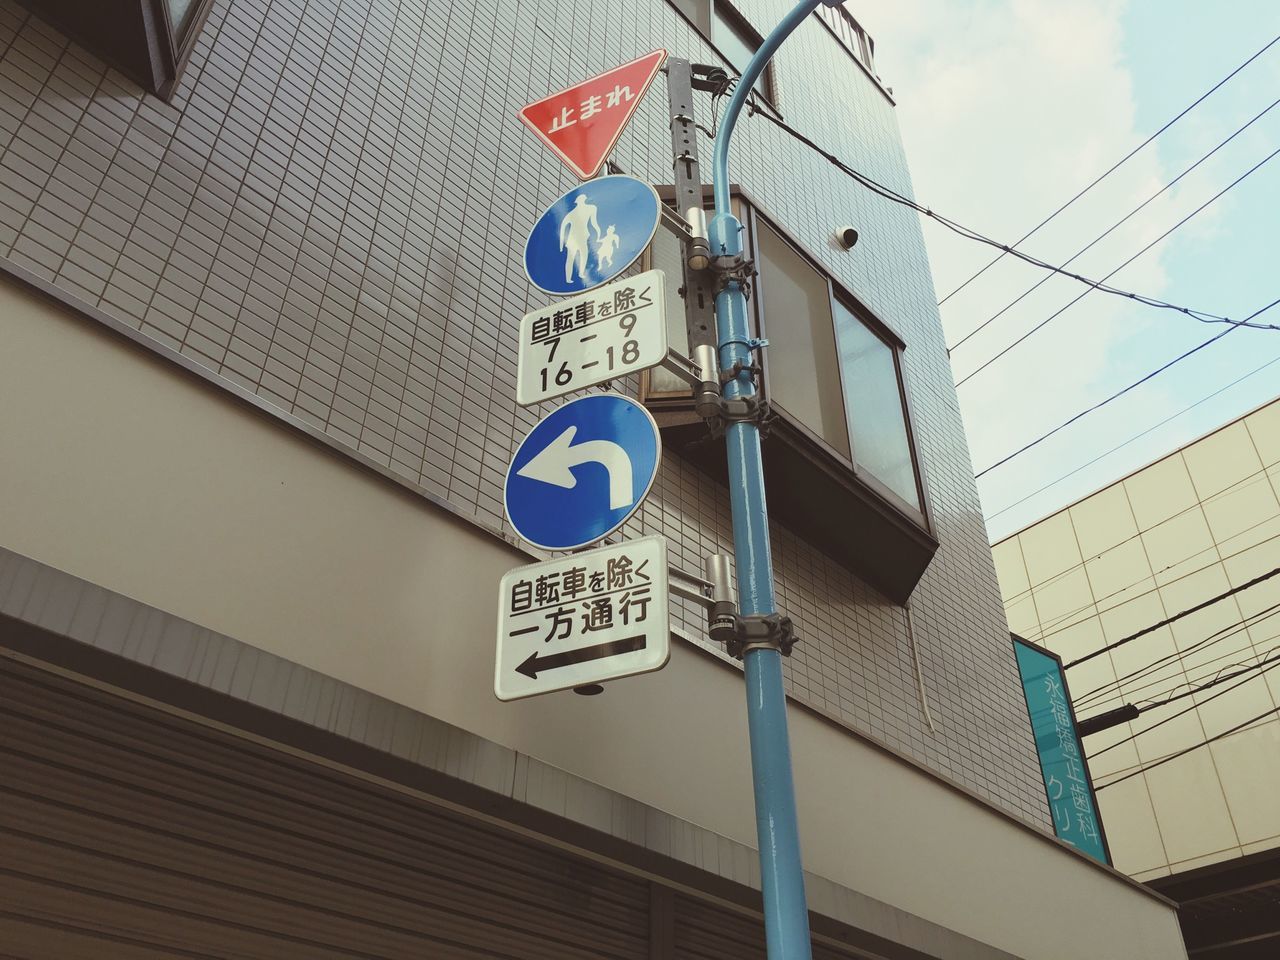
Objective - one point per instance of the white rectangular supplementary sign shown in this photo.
(586, 618)
(608, 332)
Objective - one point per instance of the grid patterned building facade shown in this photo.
(1191, 532)
(327, 215)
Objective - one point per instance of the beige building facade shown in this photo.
(1181, 557)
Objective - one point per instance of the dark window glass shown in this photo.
(698, 12)
(804, 373)
(873, 403)
(737, 42)
(180, 14)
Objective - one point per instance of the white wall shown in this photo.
(122, 470)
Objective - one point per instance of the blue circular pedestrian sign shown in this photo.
(591, 234)
(582, 471)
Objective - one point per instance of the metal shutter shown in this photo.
(127, 833)
(707, 931)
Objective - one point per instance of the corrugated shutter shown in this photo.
(127, 832)
(708, 931)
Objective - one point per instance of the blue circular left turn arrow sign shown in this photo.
(582, 471)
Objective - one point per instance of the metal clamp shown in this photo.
(772, 631)
(754, 409)
(736, 269)
(752, 344)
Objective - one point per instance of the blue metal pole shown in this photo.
(786, 913)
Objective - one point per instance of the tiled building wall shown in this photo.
(330, 211)
(1175, 536)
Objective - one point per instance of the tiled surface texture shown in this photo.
(1178, 535)
(330, 213)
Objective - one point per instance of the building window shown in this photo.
(181, 13)
(147, 40)
(735, 38)
(875, 406)
(832, 369)
(803, 373)
(840, 461)
(731, 35)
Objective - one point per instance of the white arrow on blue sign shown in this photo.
(582, 471)
(591, 234)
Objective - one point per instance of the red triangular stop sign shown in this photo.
(582, 124)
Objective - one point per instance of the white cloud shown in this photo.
(1008, 108)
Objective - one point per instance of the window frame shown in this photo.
(837, 293)
(179, 49)
(137, 37)
(817, 494)
(736, 18)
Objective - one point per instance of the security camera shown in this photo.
(846, 237)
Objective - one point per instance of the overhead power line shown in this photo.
(890, 194)
(1173, 619)
(1235, 486)
(1174, 756)
(1218, 678)
(1111, 229)
(1115, 396)
(1136, 436)
(1060, 627)
(1174, 659)
(1112, 688)
(1272, 663)
(1113, 168)
(1063, 309)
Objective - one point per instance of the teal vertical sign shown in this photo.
(1072, 804)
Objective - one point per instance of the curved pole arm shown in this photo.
(720, 152)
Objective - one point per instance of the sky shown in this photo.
(1010, 107)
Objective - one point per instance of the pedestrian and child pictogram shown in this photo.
(591, 234)
(582, 123)
(586, 467)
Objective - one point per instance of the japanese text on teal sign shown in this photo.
(1071, 801)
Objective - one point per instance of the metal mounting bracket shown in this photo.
(773, 631)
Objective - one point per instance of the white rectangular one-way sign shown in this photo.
(605, 333)
(585, 618)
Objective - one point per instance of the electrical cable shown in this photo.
(1112, 688)
(1137, 436)
(1234, 487)
(889, 193)
(1113, 168)
(1059, 627)
(1183, 713)
(1174, 756)
(1106, 233)
(1218, 678)
(1097, 406)
(1121, 393)
(1175, 659)
(1134, 693)
(1063, 309)
(1263, 578)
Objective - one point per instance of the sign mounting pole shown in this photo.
(699, 287)
(786, 914)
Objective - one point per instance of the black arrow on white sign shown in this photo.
(535, 663)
